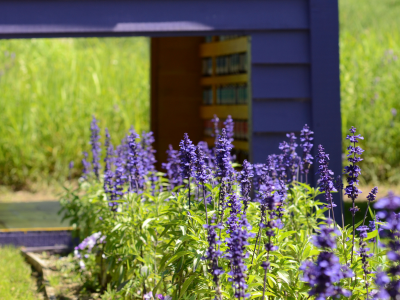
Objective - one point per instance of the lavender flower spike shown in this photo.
(245, 178)
(353, 171)
(305, 143)
(325, 178)
(86, 166)
(326, 271)
(187, 156)
(203, 174)
(94, 142)
(173, 168)
(229, 126)
(213, 254)
(222, 152)
(134, 165)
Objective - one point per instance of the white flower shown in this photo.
(82, 264)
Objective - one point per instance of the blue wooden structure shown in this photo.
(294, 58)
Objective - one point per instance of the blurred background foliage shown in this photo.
(50, 88)
(370, 83)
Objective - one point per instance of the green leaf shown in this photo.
(178, 255)
(371, 235)
(284, 276)
(186, 285)
(145, 223)
(285, 235)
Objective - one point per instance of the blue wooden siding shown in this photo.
(281, 88)
(101, 18)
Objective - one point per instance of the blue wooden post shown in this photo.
(325, 84)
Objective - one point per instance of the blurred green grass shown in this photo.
(50, 88)
(370, 89)
(15, 280)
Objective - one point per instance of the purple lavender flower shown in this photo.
(305, 143)
(208, 153)
(236, 243)
(324, 274)
(223, 149)
(353, 171)
(244, 178)
(187, 156)
(96, 147)
(363, 253)
(202, 174)
(326, 239)
(325, 178)
(173, 168)
(86, 166)
(326, 271)
(215, 121)
(118, 184)
(134, 165)
(391, 233)
(213, 254)
(257, 176)
(146, 153)
(109, 152)
(229, 127)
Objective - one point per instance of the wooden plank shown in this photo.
(226, 79)
(280, 115)
(280, 81)
(37, 229)
(239, 145)
(223, 111)
(325, 88)
(43, 18)
(225, 47)
(177, 97)
(280, 47)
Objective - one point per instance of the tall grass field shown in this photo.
(370, 83)
(49, 89)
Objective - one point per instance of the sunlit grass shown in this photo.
(370, 76)
(15, 276)
(49, 90)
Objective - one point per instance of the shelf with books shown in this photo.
(226, 47)
(226, 79)
(223, 111)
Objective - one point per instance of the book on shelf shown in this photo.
(207, 96)
(231, 64)
(231, 94)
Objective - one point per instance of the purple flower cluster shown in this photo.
(325, 178)
(389, 284)
(86, 166)
(237, 228)
(187, 156)
(245, 178)
(134, 165)
(324, 274)
(88, 244)
(172, 166)
(96, 147)
(212, 255)
(223, 150)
